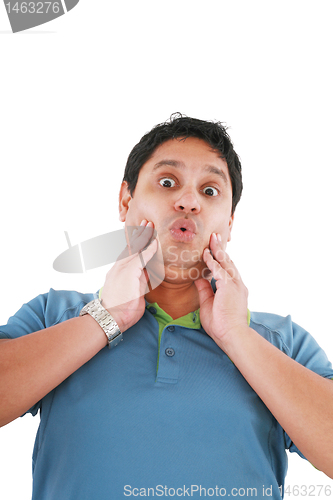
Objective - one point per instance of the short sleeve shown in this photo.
(28, 319)
(44, 311)
(306, 351)
(296, 343)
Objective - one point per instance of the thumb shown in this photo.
(204, 289)
(148, 252)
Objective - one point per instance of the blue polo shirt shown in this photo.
(165, 413)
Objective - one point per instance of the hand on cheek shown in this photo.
(225, 311)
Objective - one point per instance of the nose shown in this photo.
(188, 202)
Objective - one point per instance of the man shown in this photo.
(201, 398)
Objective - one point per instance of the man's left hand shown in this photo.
(224, 312)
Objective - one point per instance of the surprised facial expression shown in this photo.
(185, 190)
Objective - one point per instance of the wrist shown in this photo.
(234, 340)
(115, 313)
(117, 316)
(105, 320)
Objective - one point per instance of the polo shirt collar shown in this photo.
(190, 320)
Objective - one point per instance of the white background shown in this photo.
(79, 92)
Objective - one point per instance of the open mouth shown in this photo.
(182, 234)
(183, 230)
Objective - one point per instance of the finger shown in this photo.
(145, 257)
(204, 289)
(148, 253)
(140, 237)
(137, 238)
(223, 258)
(138, 260)
(145, 285)
(155, 267)
(216, 269)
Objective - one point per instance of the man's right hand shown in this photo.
(127, 281)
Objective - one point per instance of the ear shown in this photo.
(231, 221)
(124, 201)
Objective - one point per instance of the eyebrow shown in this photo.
(179, 164)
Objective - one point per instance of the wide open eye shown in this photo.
(167, 182)
(210, 191)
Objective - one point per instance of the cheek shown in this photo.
(144, 207)
(135, 211)
(225, 235)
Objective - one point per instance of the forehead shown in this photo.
(190, 153)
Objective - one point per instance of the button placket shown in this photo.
(168, 368)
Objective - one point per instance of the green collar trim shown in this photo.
(190, 320)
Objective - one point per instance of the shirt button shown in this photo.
(152, 310)
(169, 351)
(171, 328)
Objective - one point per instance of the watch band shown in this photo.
(105, 321)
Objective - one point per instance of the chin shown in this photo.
(174, 274)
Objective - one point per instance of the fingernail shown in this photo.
(150, 224)
(219, 237)
(143, 222)
(214, 236)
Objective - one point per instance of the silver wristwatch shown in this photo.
(105, 321)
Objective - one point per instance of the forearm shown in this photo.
(33, 365)
(300, 400)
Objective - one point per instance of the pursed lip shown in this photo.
(187, 224)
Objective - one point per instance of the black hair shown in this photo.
(214, 133)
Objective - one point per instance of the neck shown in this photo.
(175, 299)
